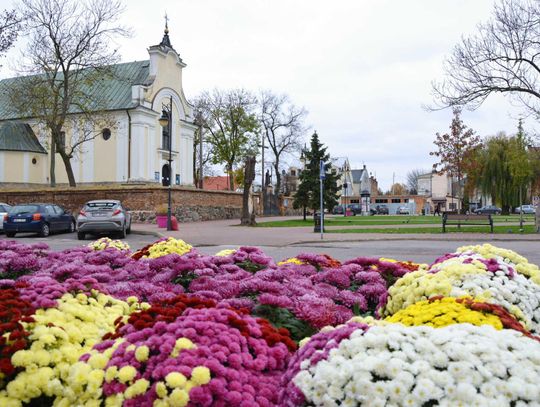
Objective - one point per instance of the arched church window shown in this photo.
(165, 136)
(106, 134)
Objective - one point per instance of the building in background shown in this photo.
(131, 147)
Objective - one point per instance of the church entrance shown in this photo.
(165, 175)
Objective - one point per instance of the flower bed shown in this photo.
(167, 326)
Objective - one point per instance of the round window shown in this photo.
(106, 133)
(34, 160)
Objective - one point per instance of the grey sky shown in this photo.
(362, 68)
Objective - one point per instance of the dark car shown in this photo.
(41, 218)
(488, 209)
(103, 216)
(338, 210)
(382, 210)
(356, 209)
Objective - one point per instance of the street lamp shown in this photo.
(165, 121)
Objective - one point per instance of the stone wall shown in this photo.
(188, 204)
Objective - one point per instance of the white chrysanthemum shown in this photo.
(480, 365)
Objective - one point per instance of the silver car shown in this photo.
(103, 216)
(4, 209)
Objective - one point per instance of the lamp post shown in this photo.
(166, 121)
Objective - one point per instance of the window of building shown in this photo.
(381, 200)
(406, 200)
(106, 134)
(453, 206)
(396, 200)
(293, 173)
(165, 138)
(355, 201)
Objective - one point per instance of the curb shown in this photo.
(147, 233)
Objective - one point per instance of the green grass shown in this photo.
(379, 220)
(527, 229)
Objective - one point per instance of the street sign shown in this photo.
(322, 172)
(536, 200)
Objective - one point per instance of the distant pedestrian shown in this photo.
(437, 211)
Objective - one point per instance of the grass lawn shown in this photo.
(527, 229)
(336, 220)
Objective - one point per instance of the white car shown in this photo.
(4, 209)
(527, 209)
(403, 210)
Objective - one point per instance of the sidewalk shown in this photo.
(229, 232)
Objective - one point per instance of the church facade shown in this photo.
(129, 146)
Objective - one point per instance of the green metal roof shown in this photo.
(111, 92)
(16, 136)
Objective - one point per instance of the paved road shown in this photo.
(404, 249)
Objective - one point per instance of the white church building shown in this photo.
(132, 147)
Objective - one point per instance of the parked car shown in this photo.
(355, 208)
(338, 210)
(103, 216)
(403, 210)
(41, 218)
(382, 210)
(488, 209)
(4, 209)
(528, 209)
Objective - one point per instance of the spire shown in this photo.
(166, 42)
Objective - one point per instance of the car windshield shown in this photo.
(19, 209)
(100, 205)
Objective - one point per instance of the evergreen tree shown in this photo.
(308, 194)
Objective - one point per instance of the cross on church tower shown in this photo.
(166, 42)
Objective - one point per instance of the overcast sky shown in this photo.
(362, 68)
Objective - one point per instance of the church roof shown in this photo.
(357, 176)
(16, 136)
(111, 92)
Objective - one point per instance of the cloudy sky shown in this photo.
(362, 68)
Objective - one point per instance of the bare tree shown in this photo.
(283, 127)
(501, 58)
(232, 126)
(412, 180)
(68, 52)
(9, 29)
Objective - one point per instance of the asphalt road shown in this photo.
(415, 250)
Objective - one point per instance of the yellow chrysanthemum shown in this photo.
(200, 375)
(292, 260)
(225, 252)
(442, 312)
(169, 246)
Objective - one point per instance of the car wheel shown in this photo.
(71, 227)
(10, 234)
(122, 233)
(45, 230)
(81, 235)
(128, 230)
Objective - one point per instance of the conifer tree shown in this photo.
(308, 194)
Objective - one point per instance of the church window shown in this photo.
(165, 138)
(106, 133)
(34, 160)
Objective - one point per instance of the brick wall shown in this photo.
(188, 204)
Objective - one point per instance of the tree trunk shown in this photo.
(52, 173)
(278, 178)
(231, 176)
(69, 169)
(304, 211)
(248, 219)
